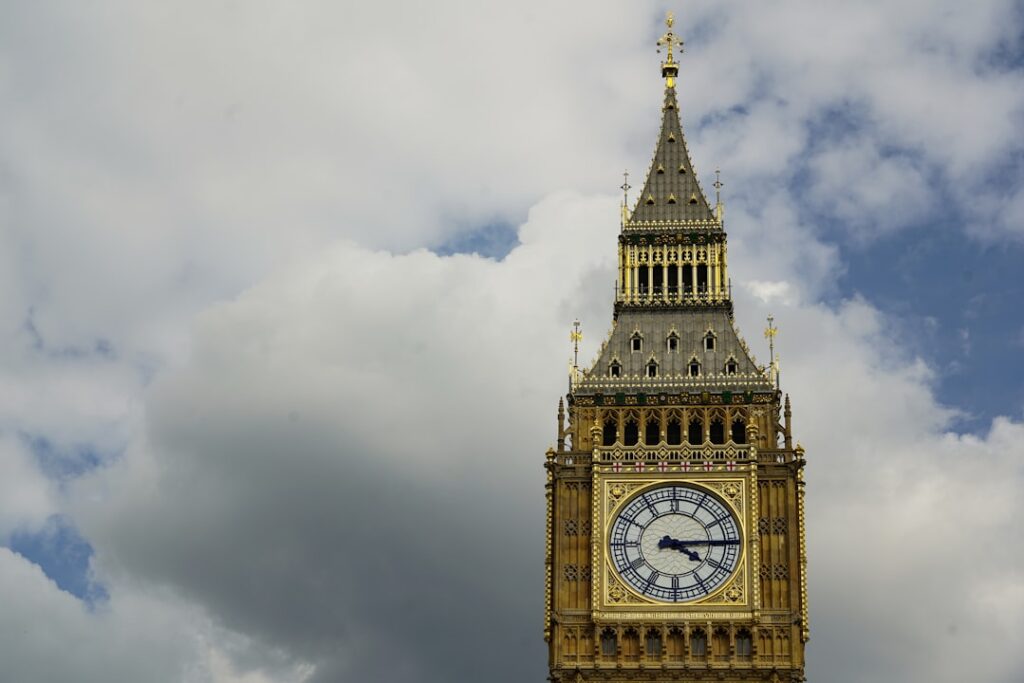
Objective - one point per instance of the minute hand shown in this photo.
(710, 542)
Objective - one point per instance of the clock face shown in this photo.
(675, 543)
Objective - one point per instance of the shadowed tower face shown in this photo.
(675, 495)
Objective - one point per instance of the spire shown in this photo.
(671, 192)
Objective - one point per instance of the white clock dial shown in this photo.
(675, 543)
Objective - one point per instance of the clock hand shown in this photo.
(711, 542)
(669, 542)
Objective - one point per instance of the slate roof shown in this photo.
(654, 328)
(671, 192)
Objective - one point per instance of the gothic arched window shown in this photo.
(764, 645)
(744, 644)
(609, 643)
(653, 643)
(695, 434)
(652, 435)
(652, 368)
(569, 646)
(631, 645)
(608, 433)
(702, 278)
(615, 369)
(720, 644)
(739, 431)
(674, 433)
(632, 433)
(675, 645)
(709, 341)
(698, 644)
(717, 432)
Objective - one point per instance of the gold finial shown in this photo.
(625, 194)
(576, 336)
(769, 334)
(670, 41)
(719, 209)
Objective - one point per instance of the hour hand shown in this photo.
(673, 544)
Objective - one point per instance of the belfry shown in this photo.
(675, 518)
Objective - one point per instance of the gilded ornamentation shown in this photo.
(734, 593)
(573, 572)
(730, 490)
(616, 593)
(775, 571)
(619, 489)
(616, 492)
(776, 526)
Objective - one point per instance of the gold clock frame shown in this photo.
(613, 598)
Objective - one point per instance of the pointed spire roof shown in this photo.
(671, 193)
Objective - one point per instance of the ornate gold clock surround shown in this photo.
(615, 599)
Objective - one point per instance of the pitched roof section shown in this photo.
(725, 366)
(671, 193)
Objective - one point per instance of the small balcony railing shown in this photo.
(670, 454)
(659, 294)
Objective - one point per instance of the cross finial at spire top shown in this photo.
(670, 41)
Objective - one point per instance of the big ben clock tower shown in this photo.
(675, 494)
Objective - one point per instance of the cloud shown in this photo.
(26, 496)
(353, 446)
(356, 494)
(305, 448)
(866, 190)
(48, 635)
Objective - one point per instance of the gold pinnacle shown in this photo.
(576, 336)
(669, 41)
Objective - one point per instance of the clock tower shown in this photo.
(675, 548)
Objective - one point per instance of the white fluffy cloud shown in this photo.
(48, 635)
(318, 439)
